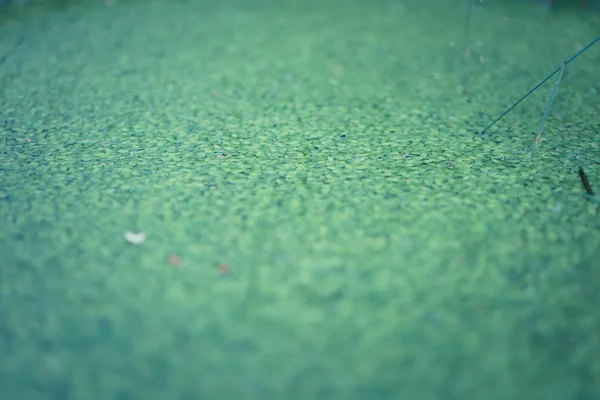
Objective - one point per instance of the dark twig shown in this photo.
(586, 183)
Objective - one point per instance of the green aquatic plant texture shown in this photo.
(379, 246)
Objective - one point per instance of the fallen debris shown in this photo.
(135, 238)
(224, 269)
(585, 182)
(175, 260)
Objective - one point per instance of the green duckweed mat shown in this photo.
(324, 219)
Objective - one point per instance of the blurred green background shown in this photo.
(378, 246)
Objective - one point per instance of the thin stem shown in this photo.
(562, 66)
(547, 110)
(467, 50)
